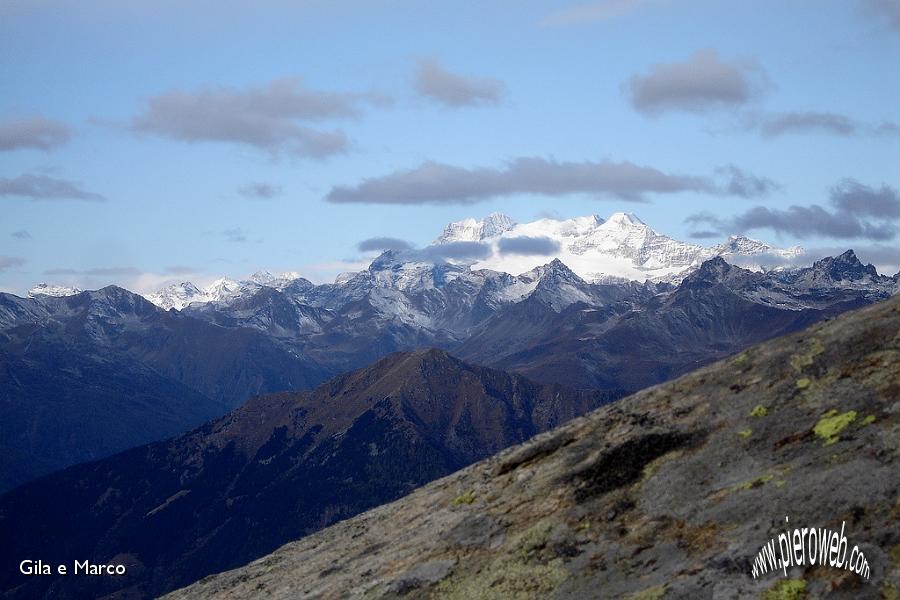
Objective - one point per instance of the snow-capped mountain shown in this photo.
(180, 295)
(757, 256)
(56, 291)
(621, 247)
(279, 281)
(498, 261)
(470, 230)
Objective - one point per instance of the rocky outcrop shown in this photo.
(667, 494)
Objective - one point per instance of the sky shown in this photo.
(144, 143)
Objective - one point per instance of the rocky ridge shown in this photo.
(669, 493)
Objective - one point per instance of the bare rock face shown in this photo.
(670, 493)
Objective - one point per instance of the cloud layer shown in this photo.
(44, 187)
(438, 84)
(235, 235)
(438, 183)
(260, 191)
(700, 83)
(36, 133)
(10, 262)
(857, 211)
(267, 118)
(889, 10)
(383, 243)
(774, 125)
(528, 246)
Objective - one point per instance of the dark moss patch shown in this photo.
(624, 464)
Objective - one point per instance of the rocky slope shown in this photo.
(280, 467)
(669, 493)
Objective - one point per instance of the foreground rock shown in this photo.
(667, 494)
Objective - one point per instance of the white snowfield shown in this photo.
(57, 291)
(179, 295)
(621, 247)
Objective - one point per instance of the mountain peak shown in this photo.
(849, 256)
(385, 260)
(713, 270)
(496, 223)
(54, 291)
(624, 219)
(742, 243)
(263, 277)
(470, 230)
(554, 270)
(845, 267)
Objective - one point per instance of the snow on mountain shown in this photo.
(177, 296)
(279, 281)
(621, 247)
(470, 230)
(182, 294)
(844, 271)
(557, 285)
(755, 255)
(57, 291)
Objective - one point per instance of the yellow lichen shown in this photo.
(786, 589)
(759, 411)
(745, 433)
(465, 498)
(805, 359)
(803, 383)
(515, 572)
(832, 423)
(868, 420)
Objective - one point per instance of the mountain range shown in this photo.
(617, 249)
(89, 374)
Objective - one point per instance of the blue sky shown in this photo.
(133, 135)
